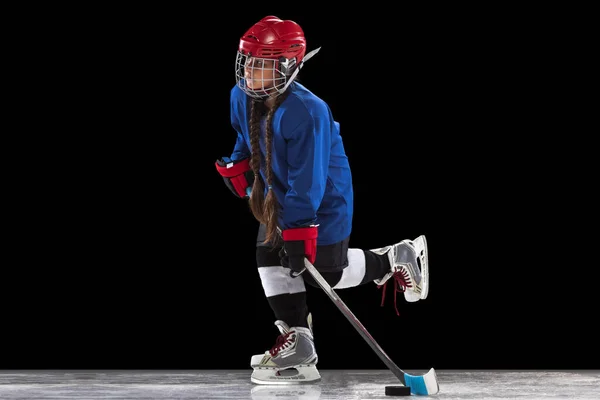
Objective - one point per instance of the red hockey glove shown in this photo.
(299, 243)
(237, 175)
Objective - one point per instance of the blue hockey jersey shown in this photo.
(311, 175)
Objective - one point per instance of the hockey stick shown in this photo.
(424, 384)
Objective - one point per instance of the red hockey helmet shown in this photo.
(269, 56)
(273, 38)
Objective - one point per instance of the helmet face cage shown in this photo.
(269, 75)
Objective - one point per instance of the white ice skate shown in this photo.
(409, 268)
(291, 360)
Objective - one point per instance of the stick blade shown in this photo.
(423, 385)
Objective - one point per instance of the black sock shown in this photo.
(376, 266)
(290, 308)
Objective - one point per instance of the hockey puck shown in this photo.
(397, 391)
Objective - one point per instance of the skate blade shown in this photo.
(420, 244)
(280, 392)
(292, 375)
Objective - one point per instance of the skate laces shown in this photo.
(281, 342)
(401, 282)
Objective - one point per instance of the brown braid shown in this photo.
(265, 210)
(257, 196)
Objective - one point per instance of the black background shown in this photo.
(131, 253)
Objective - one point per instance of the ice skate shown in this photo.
(409, 268)
(292, 359)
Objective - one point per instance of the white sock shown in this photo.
(277, 280)
(354, 273)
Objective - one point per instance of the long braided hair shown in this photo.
(264, 209)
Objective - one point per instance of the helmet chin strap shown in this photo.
(307, 57)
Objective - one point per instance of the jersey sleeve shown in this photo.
(308, 152)
(240, 149)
